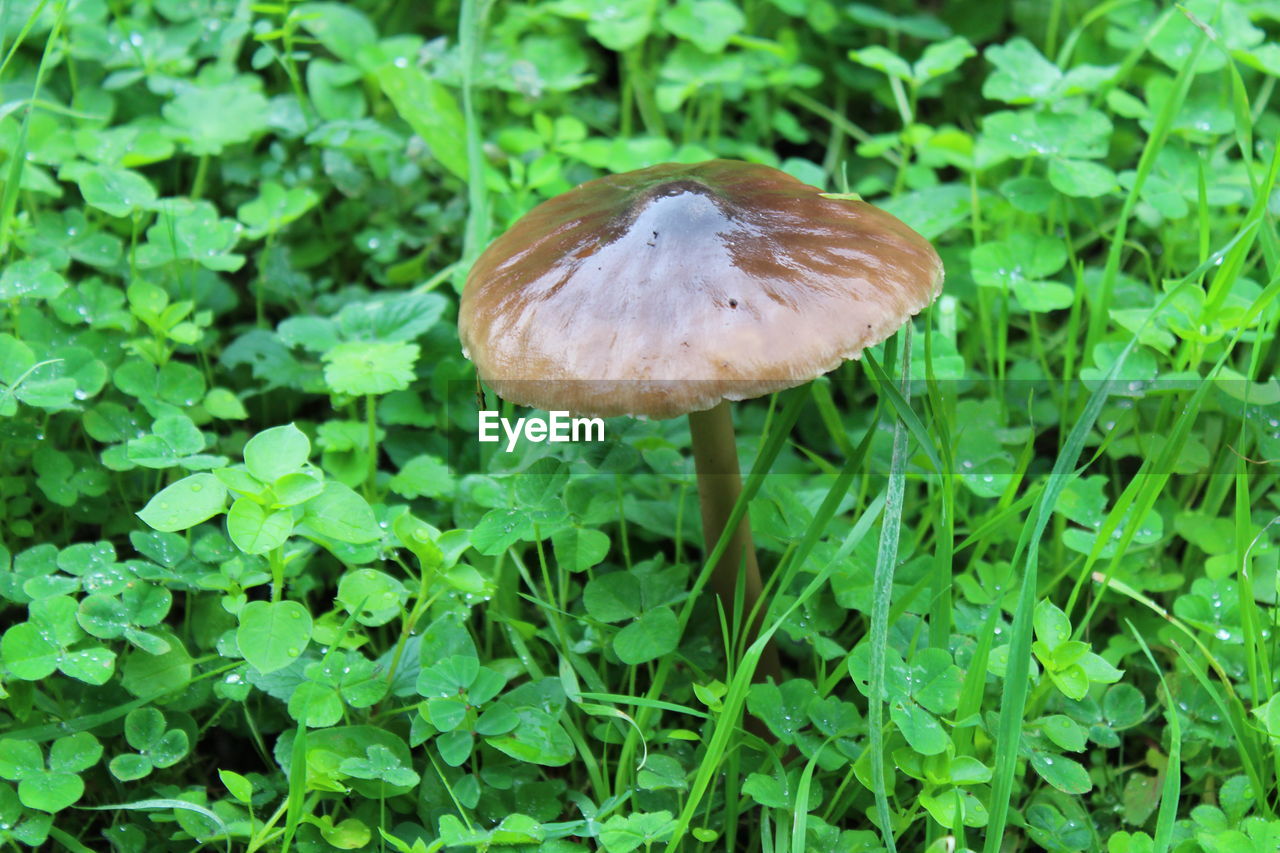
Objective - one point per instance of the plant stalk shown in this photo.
(715, 457)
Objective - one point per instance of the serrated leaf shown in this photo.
(367, 367)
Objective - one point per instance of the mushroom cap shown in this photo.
(665, 290)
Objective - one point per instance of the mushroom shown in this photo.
(675, 289)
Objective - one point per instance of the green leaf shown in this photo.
(497, 719)
(31, 279)
(170, 749)
(20, 759)
(1064, 732)
(541, 485)
(185, 503)
(922, 26)
(1025, 134)
(500, 529)
(275, 207)
(238, 786)
(921, 729)
(1051, 625)
(1018, 258)
(27, 653)
(579, 548)
(1123, 706)
(275, 452)
(942, 58)
(294, 489)
(255, 531)
(358, 368)
(114, 191)
(1028, 194)
(191, 231)
(1022, 75)
(454, 746)
(380, 763)
(935, 680)
(432, 112)
(147, 675)
(1042, 296)
(1174, 41)
(450, 677)
(224, 404)
(343, 30)
(538, 739)
(50, 792)
(272, 635)
(612, 597)
(103, 616)
(619, 26)
(622, 834)
(315, 705)
(341, 514)
(654, 634)
(130, 766)
(446, 713)
(882, 60)
(423, 476)
(1062, 773)
(92, 666)
(143, 727)
(767, 791)
(709, 24)
(199, 114)
(375, 597)
(932, 210)
(147, 603)
(1081, 178)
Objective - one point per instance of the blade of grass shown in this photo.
(18, 156)
(1148, 484)
(735, 696)
(775, 439)
(1172, 787)
(1233, 712)
(800, 814)
(470, 34)
(1100, 310)
(942, 411)
(1014, 694)
(882, 591)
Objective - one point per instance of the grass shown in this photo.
(1021, 561)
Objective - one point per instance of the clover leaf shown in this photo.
(359, 368)
(144, 730)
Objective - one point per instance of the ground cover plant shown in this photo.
(262, 589)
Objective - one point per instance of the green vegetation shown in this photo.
(261, 589)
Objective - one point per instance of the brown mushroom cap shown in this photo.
(668, 289)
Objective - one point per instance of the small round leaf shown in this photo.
(185, 503)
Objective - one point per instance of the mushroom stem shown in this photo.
(715, 456)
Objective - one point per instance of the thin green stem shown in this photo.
(371, 418)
